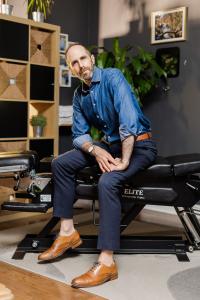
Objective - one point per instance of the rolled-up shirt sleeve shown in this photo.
(80, 126)
(126, 105)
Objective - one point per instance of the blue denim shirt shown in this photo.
(110, 105)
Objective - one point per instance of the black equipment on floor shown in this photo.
(171, 181)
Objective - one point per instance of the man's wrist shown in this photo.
(91, 149)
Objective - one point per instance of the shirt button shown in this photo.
(94, 104)
(105, 126)
(108, 136)
(97, 116)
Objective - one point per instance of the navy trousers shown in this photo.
(65, 168)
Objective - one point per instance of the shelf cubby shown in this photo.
(41, 46)
(41, 83)
(13, 80)
(46, 110)
(15, 37)
(13, 119)
(44, 147)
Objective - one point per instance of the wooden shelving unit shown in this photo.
(29, 84)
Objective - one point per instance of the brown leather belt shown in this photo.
(143, 136)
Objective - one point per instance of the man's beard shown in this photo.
(86, 74)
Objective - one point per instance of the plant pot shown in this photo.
(37, 131)
(6, 9)
(38, 16)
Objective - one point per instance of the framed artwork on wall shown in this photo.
(63, 62)
(169, 60)
(65, 77)
(63, 42)
(168, 26)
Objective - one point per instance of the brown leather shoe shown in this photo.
(98, 274)
(60, 245)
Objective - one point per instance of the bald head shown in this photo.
(80, 62)
(76, 45)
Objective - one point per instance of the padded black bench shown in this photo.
(18, 161)
(171, 181)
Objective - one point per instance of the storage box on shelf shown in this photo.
(42, 44)
(13, 80)
(29, 62)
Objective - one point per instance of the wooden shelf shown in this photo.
(30, 22)
(23, 62)
(29, 69)
(42, 64)
(65, 125)
(15, 139)
(42, 138)
(42, 101)
(13, 145)
(14, 100)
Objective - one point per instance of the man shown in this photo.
(106, 101)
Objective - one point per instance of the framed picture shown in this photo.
(63, 61)
(65, 77)
(168, 26)
(63, 42)
(169, 60)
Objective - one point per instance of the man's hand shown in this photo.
(121, 165)
(105, 160)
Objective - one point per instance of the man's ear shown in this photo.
(93, 59)
(69, 66)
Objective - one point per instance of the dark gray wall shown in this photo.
(79, 19)
(174, 115)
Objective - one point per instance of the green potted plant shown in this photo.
(39, 9)
(38, 122)
(141, 69)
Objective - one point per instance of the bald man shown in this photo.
(106, 101)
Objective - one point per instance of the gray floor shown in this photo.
(143, 277)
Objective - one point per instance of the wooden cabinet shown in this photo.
(29, 84)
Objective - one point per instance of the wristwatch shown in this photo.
(90, 149)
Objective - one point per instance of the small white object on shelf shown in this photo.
(65, 115)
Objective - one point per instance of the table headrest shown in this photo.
(185, 164)
(27, 158)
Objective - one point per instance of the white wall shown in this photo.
(20, 8)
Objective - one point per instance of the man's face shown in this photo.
(80, 62)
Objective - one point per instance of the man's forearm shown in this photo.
(127, 148)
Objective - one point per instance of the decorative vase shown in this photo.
(37, 131)
(6, 9)
(38, 16)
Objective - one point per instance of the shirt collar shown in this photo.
(96, 74)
